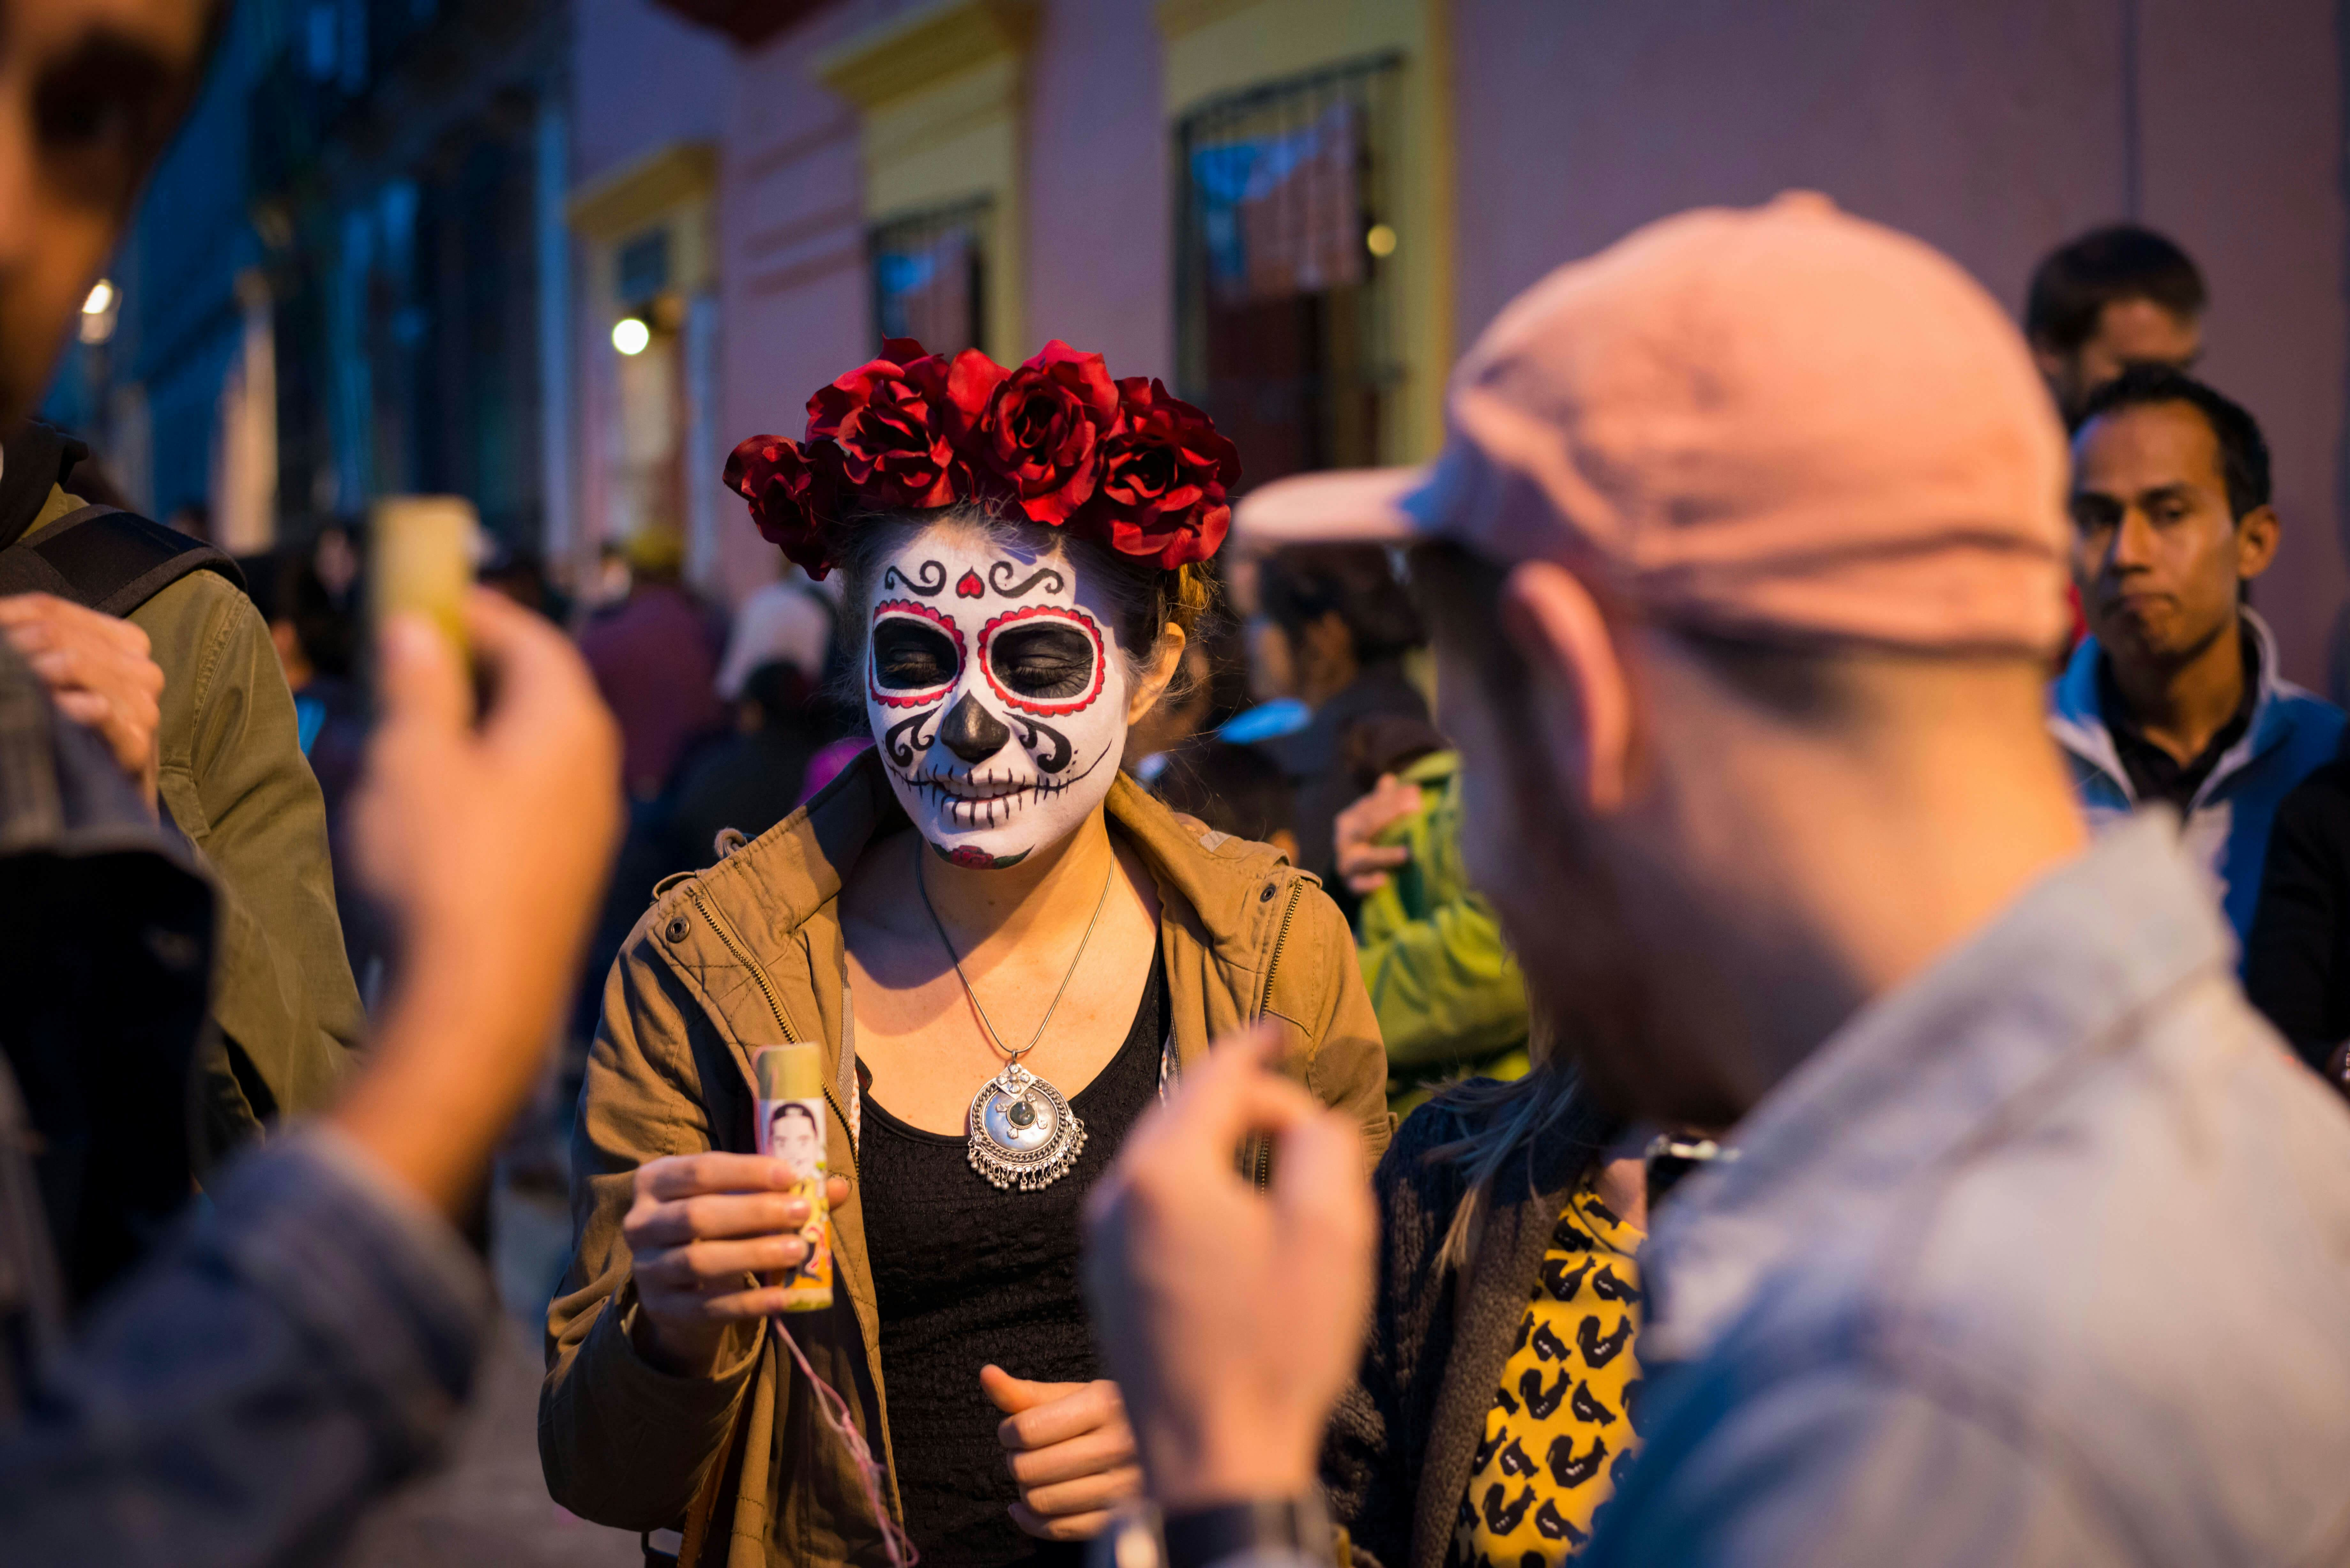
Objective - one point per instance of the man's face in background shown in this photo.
(2157, 553)
(90, 93)
(2129, 332)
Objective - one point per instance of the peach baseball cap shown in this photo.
(1781, 421)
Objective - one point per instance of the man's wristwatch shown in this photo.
(1263, 1530)
(1287, 1527)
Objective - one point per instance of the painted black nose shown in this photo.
(971, 732)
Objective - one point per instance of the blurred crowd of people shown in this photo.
(1301, 719)
(1804, 1038)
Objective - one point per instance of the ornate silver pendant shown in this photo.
(1022, 1133)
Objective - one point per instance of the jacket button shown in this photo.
(677, 929)
(1265, 897)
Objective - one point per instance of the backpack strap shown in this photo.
(108, 560)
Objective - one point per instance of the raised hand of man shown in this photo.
(489, 841)
(1231, 1318)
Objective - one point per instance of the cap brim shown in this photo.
(1353, 505)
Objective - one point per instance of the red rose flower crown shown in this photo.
(1056, 440)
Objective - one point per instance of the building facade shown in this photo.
(559, 256)
(1301, 209)
(349, 277)
(407, 164)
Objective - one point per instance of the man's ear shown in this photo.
(2054, 368)
(1580, 697)
(2257, 532)
(1157, 674)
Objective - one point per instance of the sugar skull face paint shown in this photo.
(994, 692)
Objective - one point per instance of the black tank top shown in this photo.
(966, 1274)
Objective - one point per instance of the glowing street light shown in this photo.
(1380, 241)
(97, 311)
(630, 336)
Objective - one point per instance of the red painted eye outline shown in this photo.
(927, 695)
(1045, 710)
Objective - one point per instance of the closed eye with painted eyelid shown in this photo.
(910, 656)
(1045, 661)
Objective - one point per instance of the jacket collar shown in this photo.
(2076, 713)
(1927, 1069)
(40, 458)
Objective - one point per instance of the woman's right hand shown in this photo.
(706, 1233)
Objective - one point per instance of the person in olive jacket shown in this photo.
(234, 779)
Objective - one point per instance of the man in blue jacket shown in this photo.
(2175, 696)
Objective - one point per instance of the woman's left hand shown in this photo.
(1069, 1449)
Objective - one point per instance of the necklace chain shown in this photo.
(922, 886)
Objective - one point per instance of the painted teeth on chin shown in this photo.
(974, 812)
(933, 788)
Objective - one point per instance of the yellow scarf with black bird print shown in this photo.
(1560, 1423)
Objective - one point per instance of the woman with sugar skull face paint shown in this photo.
(1000, 703)
(1007, 951)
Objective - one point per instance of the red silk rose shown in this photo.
(791, 494)
(894, 448)
(958, 391)
(1038, 438)
(1165, 475)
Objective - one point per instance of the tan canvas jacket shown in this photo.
(749, 953)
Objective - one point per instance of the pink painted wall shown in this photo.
(1994, 130)
(2243, 164)
(791, 251)
(1100, 257)
(1101, 247)
(641, 79)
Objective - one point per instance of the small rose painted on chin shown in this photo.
(973, 858)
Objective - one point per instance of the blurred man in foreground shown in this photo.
(1757, 778)
(295, 1351)
(2116, 296)
(307, 1342)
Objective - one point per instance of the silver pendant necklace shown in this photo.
(1022, 1132)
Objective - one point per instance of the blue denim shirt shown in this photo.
(284, 1360)
(2044, 1258)
(2292, 733)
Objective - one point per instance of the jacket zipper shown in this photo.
(1264, 1173)
(758, 972)
(774, 1004)
(1280, 940)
